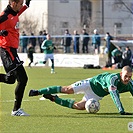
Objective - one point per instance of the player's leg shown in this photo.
(51, 56)
(43, 62)
(86, 48)
(9, 66)
(9, 79)
(22, 79)
(52, 66)
(83, 48)
(52, 90)
(79, 105)
(79, 86)
(70, 103)
(15, 72)
(47, 90)
(19, 91)
(60, 101)
(21, 83)
(31, 60)
(74, 88)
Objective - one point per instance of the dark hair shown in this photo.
(16, 1)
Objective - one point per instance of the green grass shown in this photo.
(48, 117)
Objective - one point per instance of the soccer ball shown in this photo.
(92, 106)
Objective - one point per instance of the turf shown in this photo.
(48, 117)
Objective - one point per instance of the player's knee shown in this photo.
(70, 91)
(10, 79)
(23, 80)
(67, 90)
(78, 107)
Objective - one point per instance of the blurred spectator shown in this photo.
(96, 42)
(127, 57)
(85, 41)
(107, 38)
(40, 40)
(32, 40)
(117, 56)
(30, 51)
(24, 42)
(109, 47)
(66, 41)
(44, 34)
(76, 42)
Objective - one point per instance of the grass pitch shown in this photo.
(48, 117)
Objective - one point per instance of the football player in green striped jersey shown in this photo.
(48, 50)
(96, 87)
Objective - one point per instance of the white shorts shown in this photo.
(83, 86)
(48, 56)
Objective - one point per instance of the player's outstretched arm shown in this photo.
(27, 3)
(115, 97)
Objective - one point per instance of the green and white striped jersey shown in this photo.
(101, 84)
(47, 46)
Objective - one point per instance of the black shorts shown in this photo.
(10, 59)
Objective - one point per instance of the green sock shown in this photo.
(41, 62)
(50, 90)
(64, 102)
(52, 67)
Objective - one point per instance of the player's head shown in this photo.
(84, 30)
(48, 36)
(95, 31)
(16, 5)
(75, 32)
(126, 74)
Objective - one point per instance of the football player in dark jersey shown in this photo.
(9, 42)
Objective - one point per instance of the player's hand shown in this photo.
(51, 47)
(48, 48)
(27, 2)
(3, 33)
(126, 113)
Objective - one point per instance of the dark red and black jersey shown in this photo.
(9, 20)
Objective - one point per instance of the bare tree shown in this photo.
(28, 24)
(124, 6)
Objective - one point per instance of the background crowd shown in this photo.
(70, 43)
(77, 43)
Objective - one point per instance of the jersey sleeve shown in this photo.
(131, 87)
(22, 10)
(116, 99)
(113, 80)
(3, 17)
(43, 45)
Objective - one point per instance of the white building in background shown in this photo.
(56, 15)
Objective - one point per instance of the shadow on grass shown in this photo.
(106, 115)
(86, 115)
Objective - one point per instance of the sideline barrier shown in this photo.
(62, 60)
